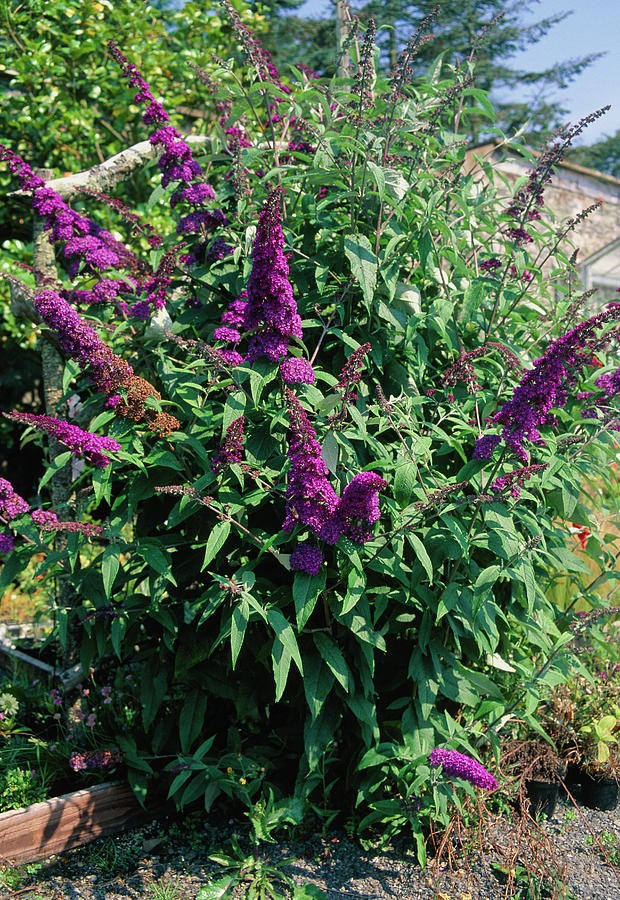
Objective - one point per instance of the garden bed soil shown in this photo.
(577, 844)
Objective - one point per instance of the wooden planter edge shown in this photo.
(43, 829)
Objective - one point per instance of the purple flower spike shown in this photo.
(457, 765)
(82, 343)
(357, 509)
(485, 446)
(297, 371)
(310, 498)
(548, 384)
(271, 307)
(90, 445)
(176, 162)
(231, 449)
(306, 558)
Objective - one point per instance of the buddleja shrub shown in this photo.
(337, 423)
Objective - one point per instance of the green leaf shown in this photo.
(55, 466)
(285, 634)
(240, 618)
(421, 554)
(154, 555)
(318, 682)
(355, 591)
(306, 590)
(405, 480)
(192, 717)
(363, 263)
(306, 892)
(329, 452)
(152, 696)
(138, 784)
(110, 564)
(379, 176)
(234, 408)
(332, 656)
(472, 301)
(13, 565)
(217, 889)
(281, 663)
(215, 542)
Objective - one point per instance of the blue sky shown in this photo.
(593, 27)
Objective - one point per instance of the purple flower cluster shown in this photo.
(11, 504)
(485, 446)
(193, 194)
(105, 291)
(310, 498)
(271, 308)
(44, 517)
(226, 333)
(306, 558)
(158, 286)
(296, 370)
(457, 765)
(609, 384)
(206, 220)
(82, 343)
(7, 542)
(490, 265)
(231, 450)
(94, 759)
(546, 385)
(176, 162)
(90, 445)
(358, 507)
(85, 240)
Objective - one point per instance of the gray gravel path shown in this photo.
(578, 850)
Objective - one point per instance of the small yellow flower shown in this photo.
(229, 769)
(243, 781)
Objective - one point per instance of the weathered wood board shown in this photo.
(38, 831)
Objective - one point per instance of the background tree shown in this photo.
(603, 155)
(454, 33)
(63, 107)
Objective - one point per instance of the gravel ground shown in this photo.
(168, 860)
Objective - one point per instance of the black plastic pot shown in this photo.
(574, 774)
(599, 793)
(543, 796)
